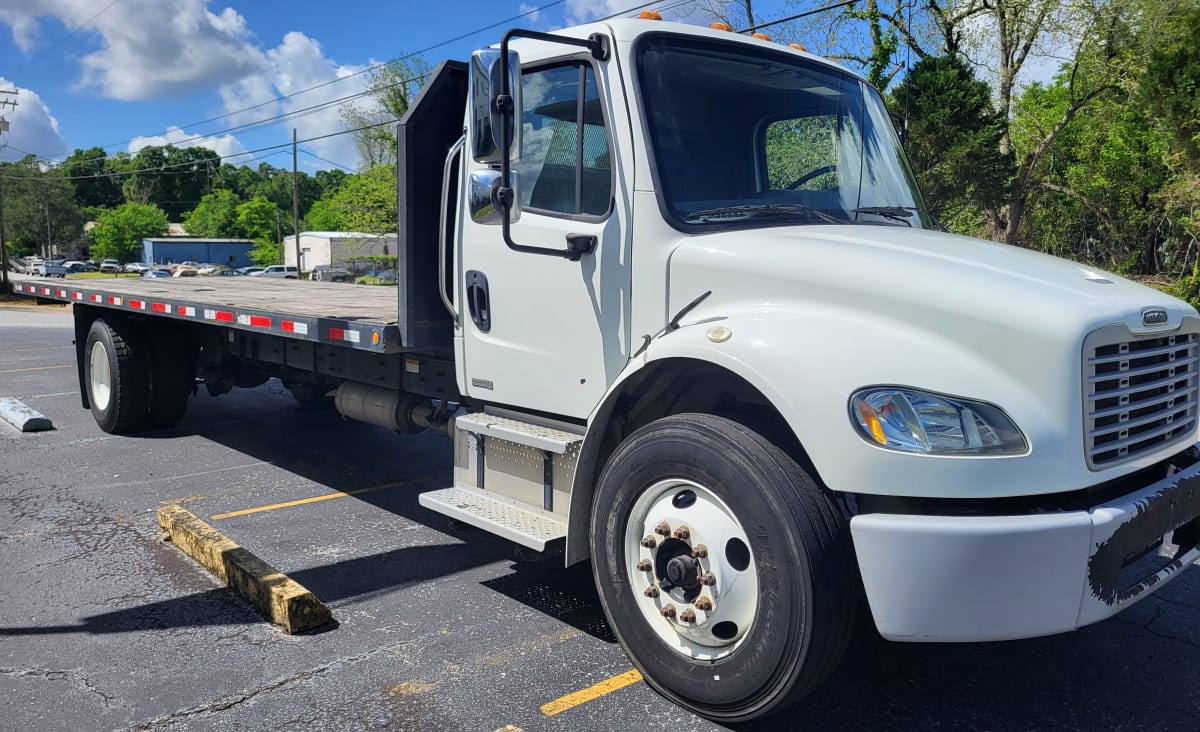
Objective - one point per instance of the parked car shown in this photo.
(250, 270)
(181, 270)
(190, 264)
(210, 269)
(330, 273)
(278, 270)
(49, 268)
(138, 267)
(227, 273)
(110, 265)
(155, 273)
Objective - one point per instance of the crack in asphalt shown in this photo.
(233, 700)
(73, 676)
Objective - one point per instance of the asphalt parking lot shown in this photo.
(438, 626)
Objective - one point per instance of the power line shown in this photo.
(326, 160)
(360, 72)
(163, 168)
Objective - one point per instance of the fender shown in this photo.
(807, 358)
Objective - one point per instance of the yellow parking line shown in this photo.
(562, 704)
(315, 499)
(38, 368)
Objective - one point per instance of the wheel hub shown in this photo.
(689, 561)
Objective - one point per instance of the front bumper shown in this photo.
(986, 578)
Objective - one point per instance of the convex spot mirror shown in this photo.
(487, 145)
(482, 201)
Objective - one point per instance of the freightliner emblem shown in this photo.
(1154, 316)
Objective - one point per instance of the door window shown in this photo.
(566, 166)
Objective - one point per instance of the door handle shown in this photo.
(479, 300)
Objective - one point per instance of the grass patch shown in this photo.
(99, 275)
(369, 280)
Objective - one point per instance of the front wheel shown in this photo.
(725, 571)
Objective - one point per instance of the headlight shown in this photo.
(917, 421)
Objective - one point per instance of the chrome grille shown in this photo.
(1140, 394)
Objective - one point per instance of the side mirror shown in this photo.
(487, 145)
(482, 201)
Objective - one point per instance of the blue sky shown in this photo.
(121, 74)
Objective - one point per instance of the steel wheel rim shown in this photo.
(100, 376)
(676, 517)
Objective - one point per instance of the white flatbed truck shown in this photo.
(679, 304)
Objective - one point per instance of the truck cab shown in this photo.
(991, 442)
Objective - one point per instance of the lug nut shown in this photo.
(682, 533)
(688, 615)
(668, 611)
(649, 542)
(645, 565)
(705, 604)
(708, 579)
(700, 552)
(651, 591)
(663, 529)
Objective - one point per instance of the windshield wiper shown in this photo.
(768, 209)
(895, 213)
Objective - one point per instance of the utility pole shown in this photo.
(4, 285)
(296, 204)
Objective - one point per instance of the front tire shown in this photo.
(117, 380)
(726, 572)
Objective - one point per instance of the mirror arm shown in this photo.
(577, 244)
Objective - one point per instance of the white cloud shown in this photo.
(146, 51)
(296, 64)
(225, 146)
(32, 128)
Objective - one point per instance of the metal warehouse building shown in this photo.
(170, 249)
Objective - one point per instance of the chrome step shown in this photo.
(522, 433)
(496, 515)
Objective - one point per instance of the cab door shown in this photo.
(543, 333)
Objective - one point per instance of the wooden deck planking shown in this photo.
(344, 301)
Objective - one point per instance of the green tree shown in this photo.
(323, 216)
(121, 230)
(40, 213)
(390, 89)
(216, 216)
(953, 141)
(367, 201)
(258, 218)
(93, 178)
(1171, 85)
(174, 179)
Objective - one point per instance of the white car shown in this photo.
(138, 267)
(110, 265)
(278, 270)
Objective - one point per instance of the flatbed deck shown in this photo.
(357, 316)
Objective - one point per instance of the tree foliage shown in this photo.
(390, 89)
(121, 230)
(216, 216)
(953, 140)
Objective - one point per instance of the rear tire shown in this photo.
(765, 608)
(172, 377)
(117, 379)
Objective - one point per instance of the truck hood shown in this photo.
(813, 314)
(894, 271)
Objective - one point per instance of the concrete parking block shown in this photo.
(24, 418)
(286, 603)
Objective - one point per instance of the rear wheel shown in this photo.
(172, 378)
(117, 381)
(724, 569)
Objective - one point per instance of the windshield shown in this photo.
(749, 137)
